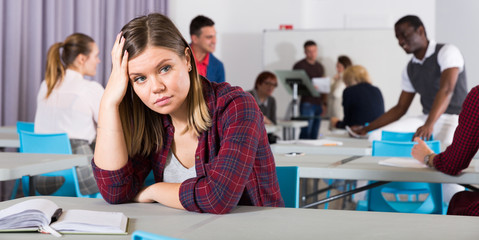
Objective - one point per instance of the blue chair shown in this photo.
(77, 187)
(142, 235)
(49, 143)
(400, 149)
(150, 179)
(433, 203)
(398, 136)
(25, 126)
(288, 179)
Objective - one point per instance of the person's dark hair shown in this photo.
(199, 22)
(413, 20)
(262, 78)
(58, 61)
(345, 61)
(142, 127)
(309, 43)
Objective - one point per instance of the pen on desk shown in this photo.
(330, 144)
(56, 215)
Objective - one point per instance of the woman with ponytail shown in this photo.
(67, 102)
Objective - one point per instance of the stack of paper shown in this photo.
(402, 162)
(318, 142)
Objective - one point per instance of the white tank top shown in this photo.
(175, 172)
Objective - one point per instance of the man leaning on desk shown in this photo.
(437, 72)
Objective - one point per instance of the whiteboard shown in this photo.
(375, 49)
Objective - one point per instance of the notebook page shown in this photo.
(91, 221)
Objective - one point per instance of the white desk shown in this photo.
(367, 168)
(8, 129)
(291, 129)
(350, 146)
(9, 139)
(247, 222)
(270, 128)
(15, 165)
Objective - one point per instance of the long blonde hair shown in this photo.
(356, 74)
(58, 62)
(143, 127)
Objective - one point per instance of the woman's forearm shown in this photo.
(110, 149)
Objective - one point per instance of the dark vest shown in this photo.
(425, 79)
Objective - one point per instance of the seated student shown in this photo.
(264, 86)
(69, 103)
(362, 102)
(458, 155)
(205, 142)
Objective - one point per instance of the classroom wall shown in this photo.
(240, 26)
(456, 23)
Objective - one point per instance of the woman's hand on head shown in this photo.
(117, 84)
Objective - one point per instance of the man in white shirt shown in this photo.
(437, 73)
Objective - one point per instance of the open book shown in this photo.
(45, 216)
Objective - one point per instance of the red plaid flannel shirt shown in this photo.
(234, 162)
(463, 148)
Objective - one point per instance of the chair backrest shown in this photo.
(377, 201)
(398, 136)
(288, 179)
(427, 198)
(57, 143)
(77, 186)
(400, 149)
(25, 126)
(142, 235)
(45, 143)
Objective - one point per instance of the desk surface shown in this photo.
(293, 123)
(15, 165)
(247, 222)
(270, 128)
(367, 168)
(9, 139)
(349, 146)
(8, 129)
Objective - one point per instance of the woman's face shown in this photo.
(161, 80)
(89, 66)
(339, 67)
(267, 87)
